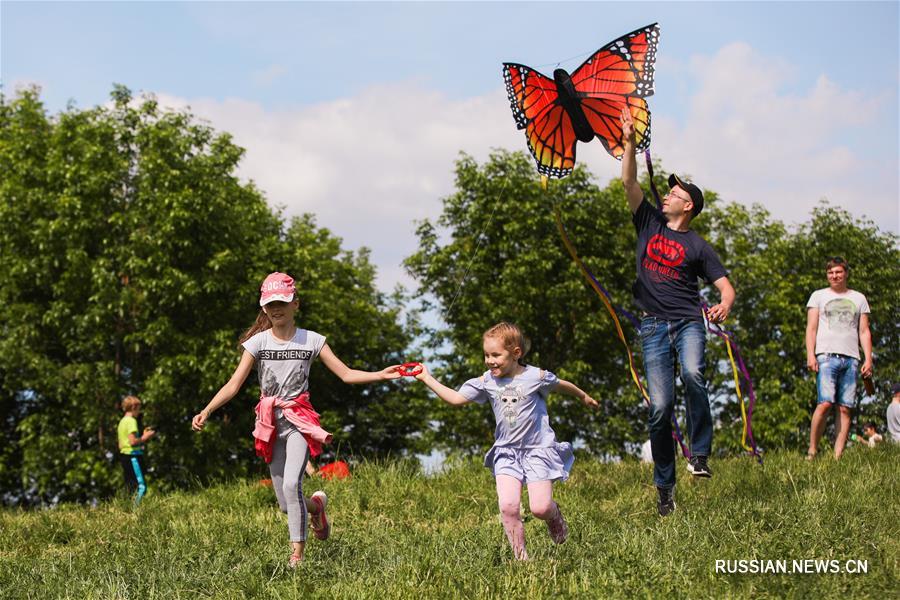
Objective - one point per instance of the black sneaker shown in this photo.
(698, 468)
(666, 503)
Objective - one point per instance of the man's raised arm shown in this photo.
(633, 192)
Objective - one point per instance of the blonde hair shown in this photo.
(511, 336)
(129, 403)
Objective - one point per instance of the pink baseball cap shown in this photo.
(277, 286)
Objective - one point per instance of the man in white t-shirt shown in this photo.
(837, 325)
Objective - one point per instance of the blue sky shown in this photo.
(360, 108)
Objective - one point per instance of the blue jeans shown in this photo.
(836, 381)
(663, 342)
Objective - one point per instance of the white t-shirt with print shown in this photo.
(838, 331)
(283, 367)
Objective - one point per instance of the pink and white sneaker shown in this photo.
(320, 524)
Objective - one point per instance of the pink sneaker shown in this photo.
(294, 561)
(558, 528)
(321, 526)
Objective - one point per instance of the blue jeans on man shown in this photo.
(663, 343)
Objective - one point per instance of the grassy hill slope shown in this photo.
(399, 534)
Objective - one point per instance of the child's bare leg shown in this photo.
(540, 500)
(509, 497)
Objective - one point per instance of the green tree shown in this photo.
(132, 255)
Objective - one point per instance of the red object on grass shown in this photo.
(336, 470)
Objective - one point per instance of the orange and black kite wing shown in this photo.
(548, 128)
(619, 74)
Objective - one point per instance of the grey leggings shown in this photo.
(289, 456)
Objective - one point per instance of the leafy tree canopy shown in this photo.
(132, 256)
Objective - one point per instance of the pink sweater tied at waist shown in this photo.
(299, 412)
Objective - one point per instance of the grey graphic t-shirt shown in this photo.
(520, 406)
(838, 331)
(283, 367)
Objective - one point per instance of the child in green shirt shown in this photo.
(131, 448)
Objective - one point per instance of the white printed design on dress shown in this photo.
(510, 400)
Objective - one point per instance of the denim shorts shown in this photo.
(836, 381)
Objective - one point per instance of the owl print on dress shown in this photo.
(510, 400)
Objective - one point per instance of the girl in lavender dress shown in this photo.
(525, 450)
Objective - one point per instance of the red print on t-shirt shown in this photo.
(665, 251)
(662, 258)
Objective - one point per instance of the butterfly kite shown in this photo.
(556, 113)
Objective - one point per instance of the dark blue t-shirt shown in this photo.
(668, 265)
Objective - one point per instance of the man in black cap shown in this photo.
(670, 259)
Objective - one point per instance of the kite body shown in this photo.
(556, 113)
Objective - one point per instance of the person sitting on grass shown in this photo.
(287, 428)
(869, 431)
(131, 448)
(525, 450)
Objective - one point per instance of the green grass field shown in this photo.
(399, 534)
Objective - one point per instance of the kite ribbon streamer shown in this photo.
(611, 309)
(652, 183)
(738, 366)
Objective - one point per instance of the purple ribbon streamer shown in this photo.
(729, 337)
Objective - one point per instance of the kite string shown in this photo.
(465, 276)
(652, 183)
(558, 63)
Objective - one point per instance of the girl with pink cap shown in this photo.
(287, 429)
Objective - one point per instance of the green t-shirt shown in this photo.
(128, 425)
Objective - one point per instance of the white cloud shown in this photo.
(751, 141)
(367, 166)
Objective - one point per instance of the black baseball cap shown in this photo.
(895, 388)
(691, 189)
